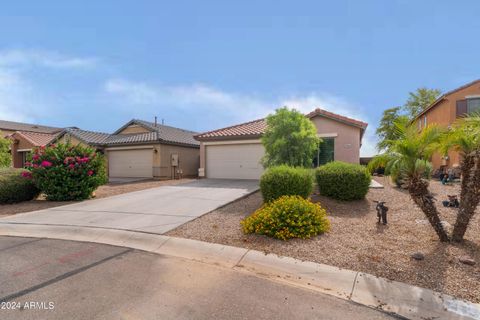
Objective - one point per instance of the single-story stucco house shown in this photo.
(142, 149)
(138, 149)
(235, 152)
(25, 137)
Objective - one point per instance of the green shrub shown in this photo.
(343, 181)
(284, 180)
(64, 172)
(16, 185)
(288, 217)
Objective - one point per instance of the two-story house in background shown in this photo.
(445, 111)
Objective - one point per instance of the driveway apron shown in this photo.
(155, 210)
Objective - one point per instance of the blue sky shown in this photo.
(202, 65)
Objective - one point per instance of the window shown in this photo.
(24, 157)
(424, 121)
(473, 105)
(326, 152)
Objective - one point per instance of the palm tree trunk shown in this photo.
(469, 195)
(418, 189)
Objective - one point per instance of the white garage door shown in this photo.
(136, 163)
(234, 161)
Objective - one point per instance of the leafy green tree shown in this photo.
(290, 138)
(5, 155)
(420, 100)
(416, 103)
(464, 137)
(386, 131)
(409, 158)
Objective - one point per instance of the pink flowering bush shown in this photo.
(65, 172)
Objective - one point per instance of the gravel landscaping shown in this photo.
(108, 190)
(358, 243)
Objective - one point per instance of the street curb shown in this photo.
(389, 296)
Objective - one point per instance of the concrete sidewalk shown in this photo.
(393, 297)
(155, 210)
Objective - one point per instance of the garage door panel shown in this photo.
(236, 161)
(137, 163)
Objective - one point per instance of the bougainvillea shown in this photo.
(65, 172)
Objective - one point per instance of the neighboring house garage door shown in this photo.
(136, 163)
(234, 161)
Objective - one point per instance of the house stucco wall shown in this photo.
(18, 148)
(189, 160)
(134, 128)
(444, 114)
(347, 138)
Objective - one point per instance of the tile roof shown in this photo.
(159, 134)
(132, 138)
(19, 126)
(245, 130)
(35, 138)
(89, 137)
(334, 116)
(254, 129)
(166, 133)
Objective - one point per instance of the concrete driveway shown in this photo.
(156, 210)
(54, 279)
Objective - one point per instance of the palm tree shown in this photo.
(464, 137)
(409, 159)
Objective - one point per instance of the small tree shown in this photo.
(464, 137)
(409, 158)
(5, 155)
(386, 130)
(290, 139)
(420, 100)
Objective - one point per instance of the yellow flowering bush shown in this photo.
(288, 217)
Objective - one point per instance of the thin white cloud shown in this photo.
(223, 107)
(196, 97)
(14, 94)
(43, 58)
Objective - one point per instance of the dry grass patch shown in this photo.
(357, 242)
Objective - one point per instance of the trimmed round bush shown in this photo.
(288, 217)
(65, 172)
(284, 180)
(343, 181)
(16, 185)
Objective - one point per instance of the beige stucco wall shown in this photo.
(189, 161)
(347, 138)
(134, 128)
(73, 141)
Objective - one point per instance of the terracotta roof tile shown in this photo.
(256, 128)
(334, 116)
(244, 130)
(35, 138)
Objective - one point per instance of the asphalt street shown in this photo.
(56, 279)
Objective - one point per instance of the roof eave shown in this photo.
(313, 115)
(225, 138)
